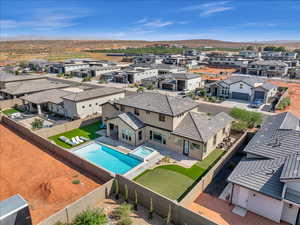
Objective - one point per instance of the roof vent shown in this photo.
(275, 143)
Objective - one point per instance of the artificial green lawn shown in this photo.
(88, 131)
(10, 111)
(174, 181)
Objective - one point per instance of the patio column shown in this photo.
(30, 107)
(39, 109)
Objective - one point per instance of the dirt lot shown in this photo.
(43, 181)
(212, 70)
(294, 93)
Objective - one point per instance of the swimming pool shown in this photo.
(142, 153)
(108, 158)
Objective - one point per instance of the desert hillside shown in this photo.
(53, 50)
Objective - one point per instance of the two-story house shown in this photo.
(267, 180)
(245, 88)
(165, 121)
(268, 68)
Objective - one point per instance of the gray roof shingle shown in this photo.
(131, 120)
(259, 175)
(201, 127)
(159, 103)
(278, 137)
(53, 96)
(291, 169)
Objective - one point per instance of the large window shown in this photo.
(157, 137)
(126, 134)
(162, 118)
(178, 141)
(140, 135)
(195, 146)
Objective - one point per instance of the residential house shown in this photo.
(165, 121)
(267, 181)
(250, 54)
(268, 68)
(245, 88)
(227, 61)
(148, 59)
(174, 81)
(283, 56)
(89, 102)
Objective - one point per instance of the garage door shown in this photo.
(259, 95)
(241, 96)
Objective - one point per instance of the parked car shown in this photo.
(256, 103)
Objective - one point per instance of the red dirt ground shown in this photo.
(43, 181)
(294, 93)
(213, 70)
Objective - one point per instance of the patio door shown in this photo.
(186, 147)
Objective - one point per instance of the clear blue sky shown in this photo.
(235, 20)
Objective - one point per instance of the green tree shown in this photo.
(250, 47)
(37, 124)
(151, 209)
(135, 200)
(116, 182)
(126, 193)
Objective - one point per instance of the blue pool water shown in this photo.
(142, 152)
(108, 158)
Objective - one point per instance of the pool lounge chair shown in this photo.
(84, 138)
(78, 139)
(74, 140)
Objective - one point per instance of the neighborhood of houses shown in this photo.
(137, 131)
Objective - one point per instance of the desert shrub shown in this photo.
(60, 223)
(283, 103)
(76, 181)
(122, 212)
(37, 124)
(86, 79)
(150, 87)
(91, 217)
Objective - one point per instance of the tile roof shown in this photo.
(278, 137)
(7, 77)
(159, 103)
(93, 93)
(131, 120)
(252, 81)
(201, 127)
(259, 175)
(291, 168)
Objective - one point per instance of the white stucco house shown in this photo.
(245, 88)
(267, 181)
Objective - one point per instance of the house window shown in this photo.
(122, 108)
(136, 112)
(159, 138)
(83, 106)
(224, 130)
(195, 146)
(162, 118)
(96, 103)
(215, 140)
(140, 135)
(90, 105)
(126, 134)
(151, 134)
(147, 112)
(241, 86)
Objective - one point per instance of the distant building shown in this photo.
(227, 61)
(250, 54)
(268, 68)
(284, 56)
(245, 88)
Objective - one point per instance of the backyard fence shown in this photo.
(207, 179)
(161, 204)
(67, 214)
(61, 128)
(59, 153)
